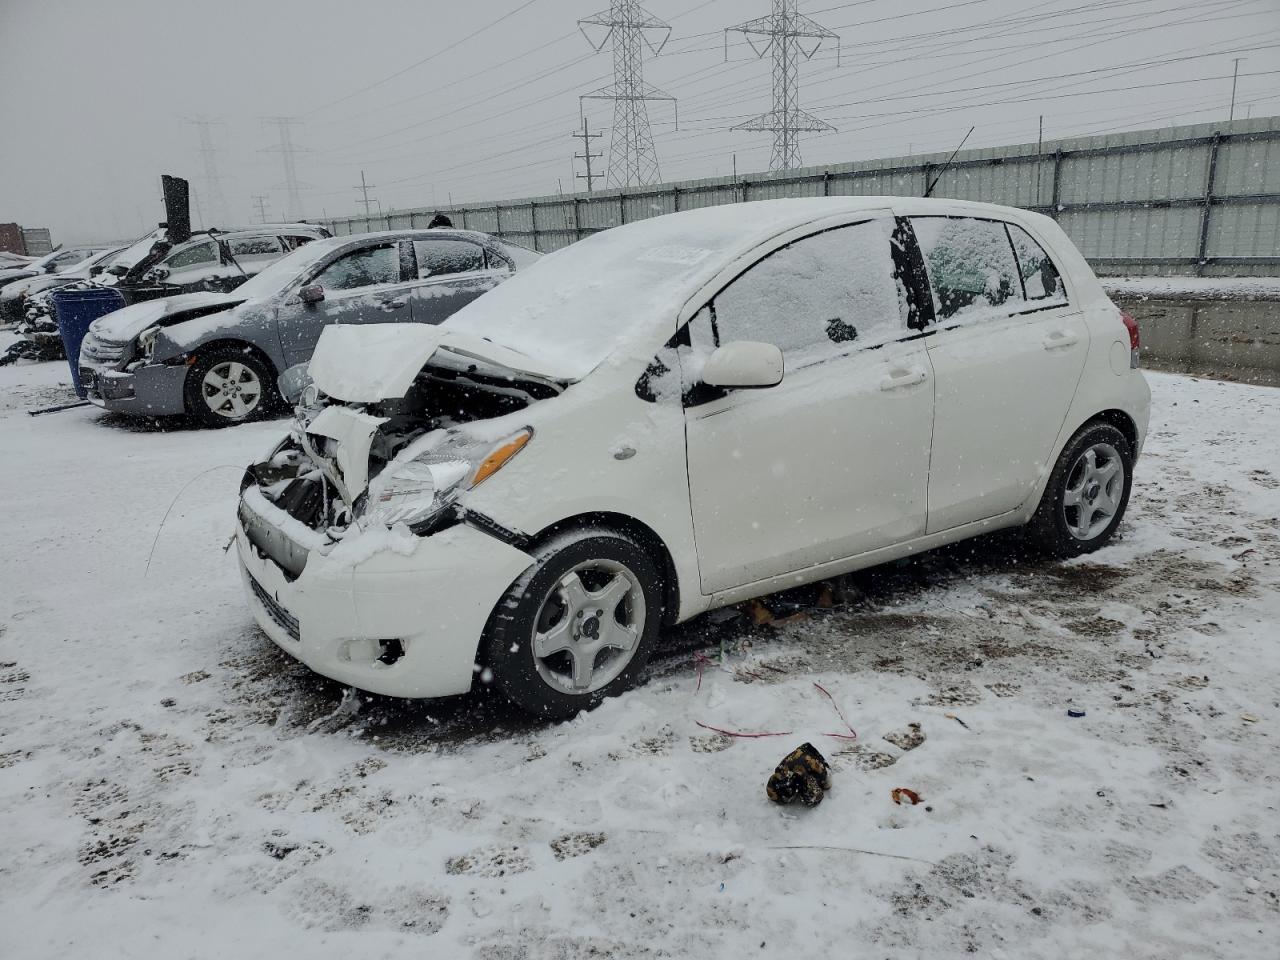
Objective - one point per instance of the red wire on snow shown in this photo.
(737, 733)
(852, 734)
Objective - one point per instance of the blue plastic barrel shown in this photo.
(75, 310)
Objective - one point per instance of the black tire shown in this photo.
(1063, 529)
(541, 685)
(223, 359)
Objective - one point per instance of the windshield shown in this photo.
(522, 257)
(41, 263)
(136, 251)
(282, 272)
(580, 304)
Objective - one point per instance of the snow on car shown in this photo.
(59, 261)
(678, 415)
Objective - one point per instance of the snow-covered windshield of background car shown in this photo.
(138, 250)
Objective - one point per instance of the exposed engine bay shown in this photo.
(330, 471)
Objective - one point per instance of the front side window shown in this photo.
(362, 268)
(437, 258)
(818, 297)
(194, 256)
(1040, 278)
(971, 267)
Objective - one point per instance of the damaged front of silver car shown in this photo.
(358, 553)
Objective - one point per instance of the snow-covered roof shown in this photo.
(582, 303)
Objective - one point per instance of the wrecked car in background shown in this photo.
(217, 356)
(59, 261)
(680, 414)
(26, 305)
(206, 260)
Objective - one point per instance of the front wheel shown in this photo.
(228, 385)
(1087, 493)
(578, 626)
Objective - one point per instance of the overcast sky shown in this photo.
(95, 97)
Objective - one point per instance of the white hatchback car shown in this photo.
(679, 414)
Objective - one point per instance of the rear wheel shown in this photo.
(1087, 493)
(228, 385)
(578, 626)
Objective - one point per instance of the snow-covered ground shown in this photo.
(172, 786)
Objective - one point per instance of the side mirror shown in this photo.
(312, 293)
(50, 268)
(744, 363)
(117, 270)
(159, 273)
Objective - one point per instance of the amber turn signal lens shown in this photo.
(495, 460)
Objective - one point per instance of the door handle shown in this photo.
(390, 305)
(903, 378)
(1060, 339)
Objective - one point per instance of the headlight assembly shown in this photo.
(416, 491)
(147, 342)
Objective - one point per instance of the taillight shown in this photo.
(1135, 343)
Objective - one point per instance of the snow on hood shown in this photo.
(122, 325)
(364, 363)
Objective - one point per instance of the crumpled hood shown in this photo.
(365, 363)
(122, 325)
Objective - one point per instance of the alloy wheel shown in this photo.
(1094, 489)
(232, 390)
(588, 627)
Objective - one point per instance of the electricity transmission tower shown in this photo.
(586, 137)
(790, 36)
(631, 28)
(260, 200)
(215, 201)
(288, 150)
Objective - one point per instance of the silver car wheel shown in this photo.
(1095, 486)
(588, 627)
(231, 390)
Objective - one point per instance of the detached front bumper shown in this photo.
(153, 390)
(335, 614)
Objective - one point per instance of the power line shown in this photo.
(630, 27)
(417, 63)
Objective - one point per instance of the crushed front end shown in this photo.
(358, 554)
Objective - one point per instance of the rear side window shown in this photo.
(294, 241)
(971, 267)
(1041, 279)
(254, 247)
(438, 258)
(818, 297)
(362, 268)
